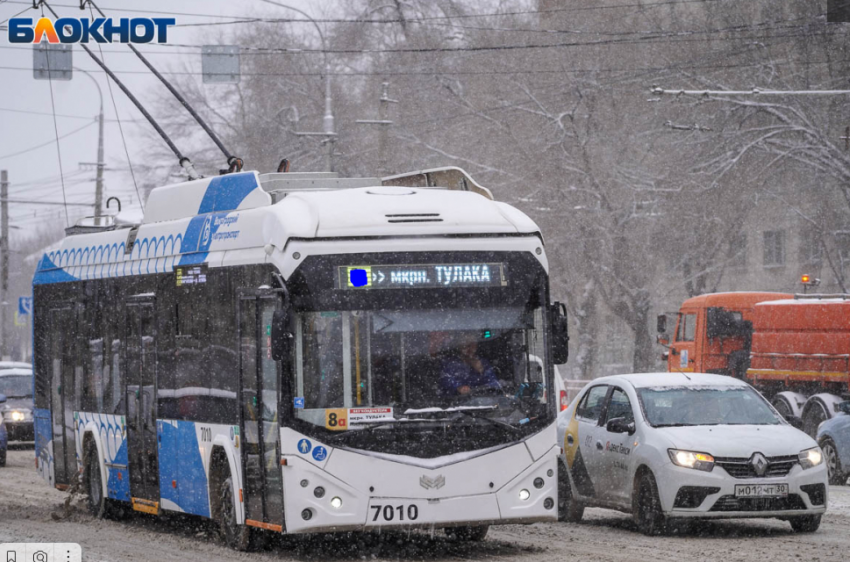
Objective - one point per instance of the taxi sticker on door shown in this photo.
(683, 359)
(336, 419)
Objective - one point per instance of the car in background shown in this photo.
(4, 443)
(665, 446)
(16, 385)
(834, 438)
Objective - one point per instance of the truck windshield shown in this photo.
(360, 369)
(690, 406)
(16, 386)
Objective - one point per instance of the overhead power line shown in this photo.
(48, 143)
(249, 19)
(753, 92)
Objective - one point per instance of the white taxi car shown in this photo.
(686, 445)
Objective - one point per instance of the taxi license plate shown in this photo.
(761, 490)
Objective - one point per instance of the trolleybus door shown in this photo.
(62, 330)
(141, 403)
(259, 404)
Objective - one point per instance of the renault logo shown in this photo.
(759, 464)
(435, 483)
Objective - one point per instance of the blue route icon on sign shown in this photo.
(304, 446)
(24, 305)
(320, 453)
(298, 402)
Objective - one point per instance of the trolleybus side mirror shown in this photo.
(280, 336)
(560, 333)
(661, 324)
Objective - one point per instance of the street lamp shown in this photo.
(328, 121)
(98, 190)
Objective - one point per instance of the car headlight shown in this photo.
(811, 458)
(691, 459)
(17, 415)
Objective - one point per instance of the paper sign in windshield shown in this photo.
(369, 415)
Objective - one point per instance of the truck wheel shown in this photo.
(237, 537)
(805, 524)
(837, 476)
(568, 509)
(646, 510)
(814, 415)
(474, 534)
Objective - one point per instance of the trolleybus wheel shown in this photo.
(474, 534)
(97, 501)
(237, 537)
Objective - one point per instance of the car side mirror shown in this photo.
(560, 333)
(794, 421)
(619, 425)
(661, 323)
(280, 336)
(2, 398)
(843, 407)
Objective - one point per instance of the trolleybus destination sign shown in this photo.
(422, 276)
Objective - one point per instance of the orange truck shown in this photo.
(794, 348)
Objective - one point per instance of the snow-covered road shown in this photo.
(27, 505)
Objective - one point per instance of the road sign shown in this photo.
(52, 62)
(24, 305)
(220, 64)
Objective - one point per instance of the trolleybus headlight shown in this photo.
(319, 492)
(548, 503)
(811, 457)
(336, 502)
(524, 494)
(306, 515)
(690, 459)
(538, 482)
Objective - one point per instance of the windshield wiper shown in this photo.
(497, 423)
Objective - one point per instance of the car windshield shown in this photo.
(16, 386)
(689, 406)
(390, 366)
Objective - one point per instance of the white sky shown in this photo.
(34, 175)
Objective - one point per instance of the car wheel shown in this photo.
(646, 506)
(237, 537)
(474, 534)
(569, 510)
(805, 524)
(833, 462)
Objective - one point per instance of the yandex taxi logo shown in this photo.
(83, 30)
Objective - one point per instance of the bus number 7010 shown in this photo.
(388, 512)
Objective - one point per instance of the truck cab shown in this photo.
(712, 333)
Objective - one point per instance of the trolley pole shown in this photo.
(384, 122)
(4, 263)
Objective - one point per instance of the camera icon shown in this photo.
(39, 556)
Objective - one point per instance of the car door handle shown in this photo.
(599, 445)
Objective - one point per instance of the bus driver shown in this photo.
(465, 371)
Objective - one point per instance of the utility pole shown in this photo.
(98, 185)
(384, 123)
(4, 262)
